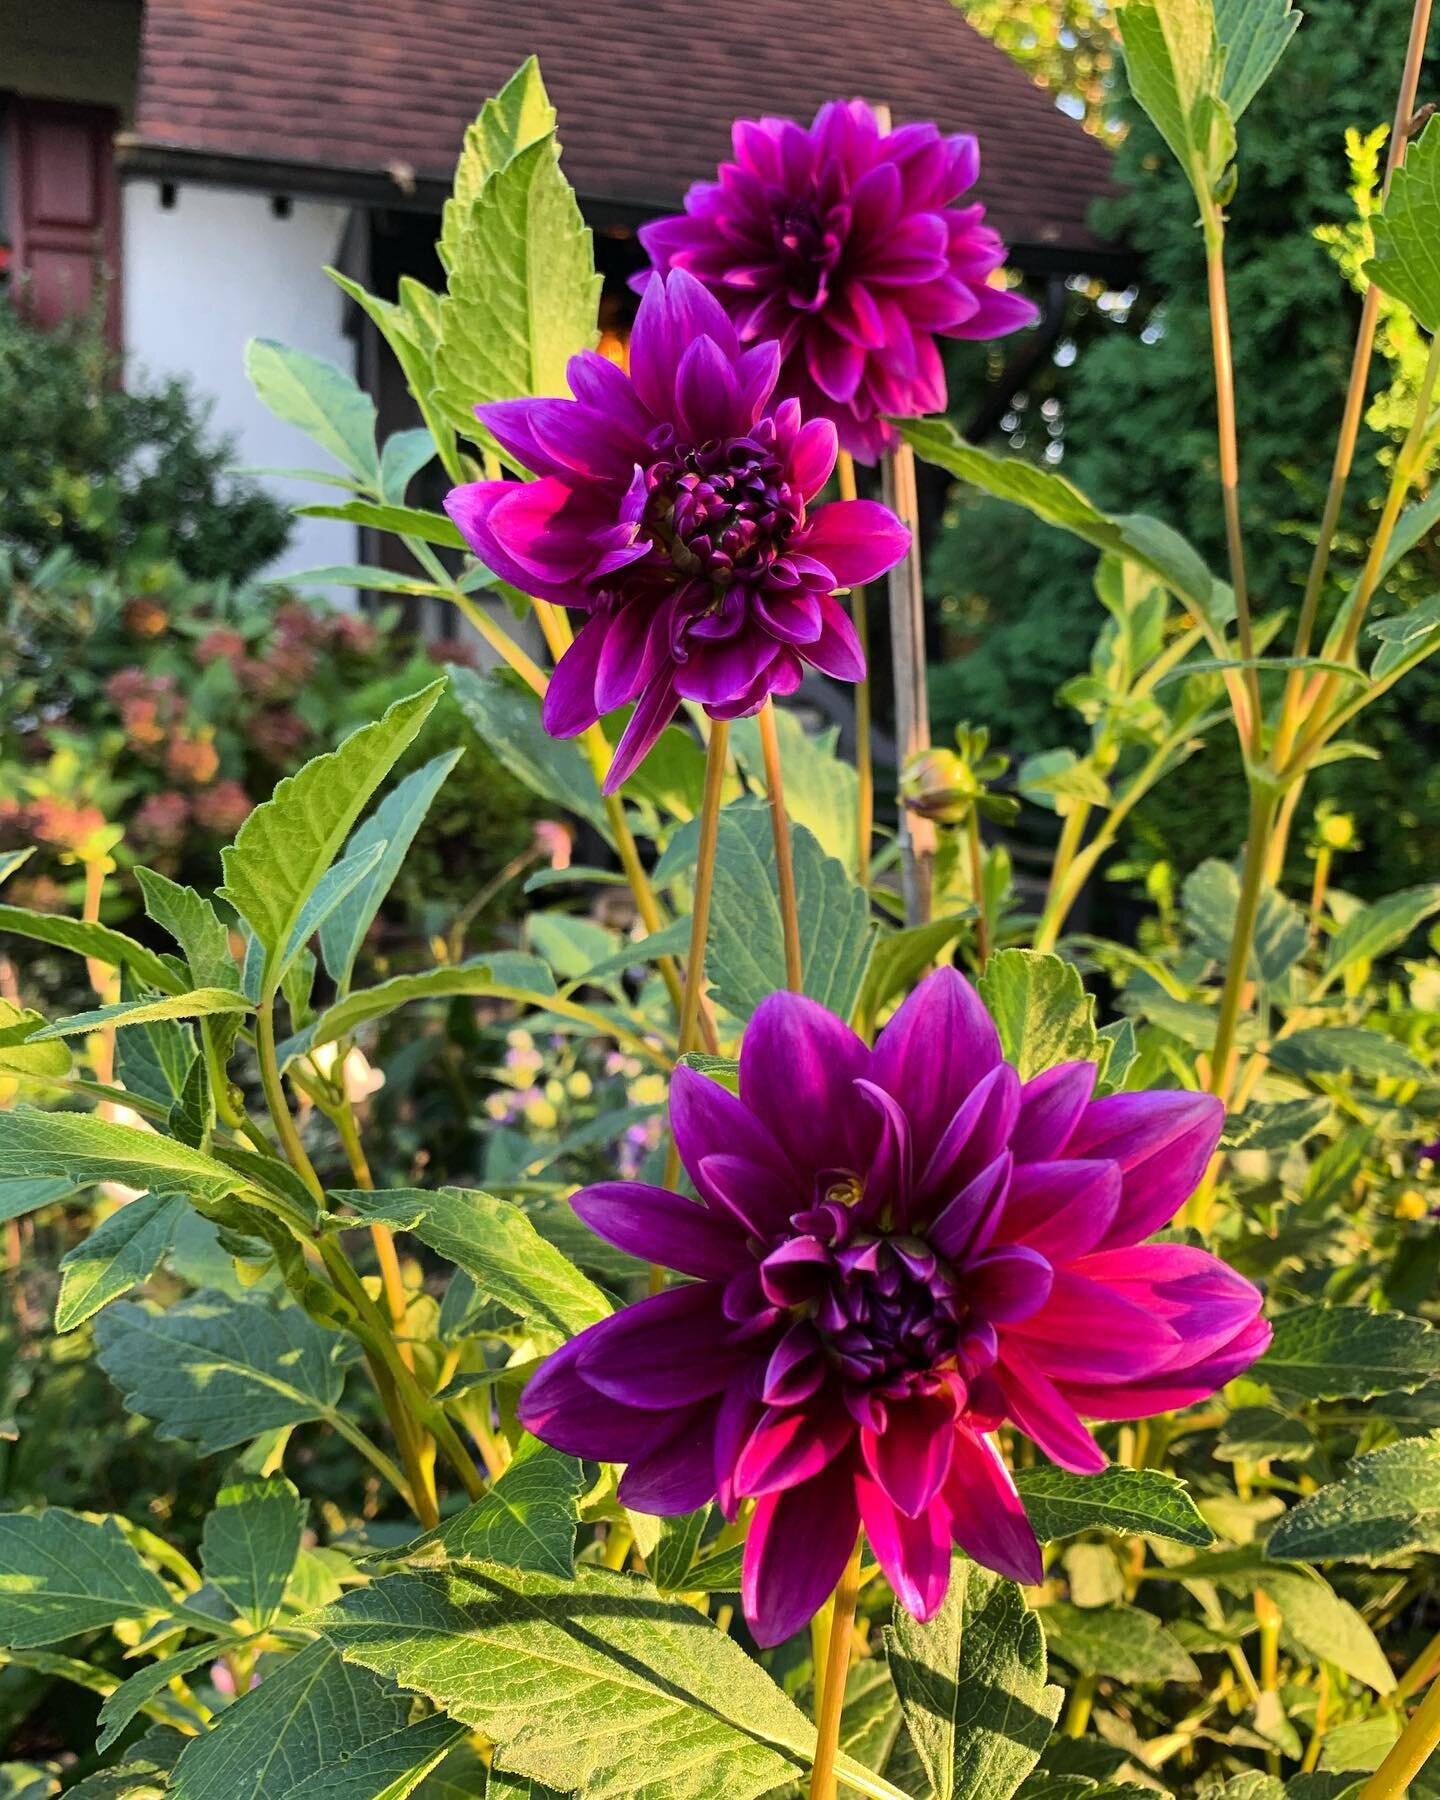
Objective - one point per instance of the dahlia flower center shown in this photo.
(810, 242)
(725, 508)
(890, 1314)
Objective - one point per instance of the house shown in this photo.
(211, 156)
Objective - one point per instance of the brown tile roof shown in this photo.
(645, 88)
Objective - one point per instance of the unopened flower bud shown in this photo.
(939, 785)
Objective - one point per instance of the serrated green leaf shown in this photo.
(24, 1045)
(200, 1004)
(1254, 34)
(136, 1692)
(1119, 1641)
(314, 1727)
(527, 1520)
(116, 1256)
(1041, 1010)
(195, 926)
(1256, 1433)
(1326, 1627)
(1386, 1506)
(972, 1686)
(506, 717)
(249, 1545)
(85, 937)
(215, 1371)
(1345, 1050)
(1347, 1353)
(60, 1574)
(84, 1148)
(508, 974)
(1405, 263)
(1372, 931)
(1142, 1502)
(523, 293)
(393, 824)
(1146, 541)
(1211, 899)
(321, 400)
(497, 1246)
(595, 1684)
(519, 115)
(24, 1195)
(286, 845)
(405, 454)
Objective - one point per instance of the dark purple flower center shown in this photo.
(810, 241)
(724, 508)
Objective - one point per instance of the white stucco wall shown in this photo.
(203, 277)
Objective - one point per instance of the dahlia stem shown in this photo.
(1237, 968)
(912, 705)
(832, 1691)
(977, 883)
(784, 862)
(1410, 1754)
(864, 752)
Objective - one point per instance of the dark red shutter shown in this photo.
(62, 209)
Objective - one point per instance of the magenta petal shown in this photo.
(569, 706)
(968, 1221)
(708, 1120)
(856, 540)
(975, 1136)
(662, 1352)
(1175, 1388)
(914, 1552)
(561, 1407)
(664, 1228)
(708, 394)
(789, 1445)
(1162, 1142)
(678, 1474)
(1050, 1106)
(910, 1458)
(654, 711)
(933, 1052)
(1062, 1209)
(986, 1514)
(1043, 1413)
(813, 456)
(800, 1541)
(1089, 1330)
(836, 652)
(797, 1063)
(1008, 1285)
(1199, 1297)
(739, 1412)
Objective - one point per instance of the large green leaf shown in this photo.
(195, 926)
(314, 1727)
(595, 1684)
(1385, 1507)
(518, 115)
(1118, 1641)
(1143, 1502)
(523, 292)
(215, 1371)
(506, 716)
(1326, 1627)
(116, 1256)
(404, 521)
(148, 1682)
(1372, 931)
(1041, 1010)
(1345, 1050)
(393, 824)
(60, 1574)
(84, 1148)
(201, 1004)
(497, 1246)
(321, 400)
(333, 888)
(1405, 263)
(526, 1520)
(23, 1195)
(822, 792)
(1254, 34)
(1347, 1353)
(900, 957)
(508, 974)
(1134, 536)
(972, 1686)
(1211, 900)
(85, 937)
(285, 846)
(249, 1546)
(1174, 66)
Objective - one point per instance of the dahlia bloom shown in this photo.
(673, 506)
(896, 1251)
(845, 244)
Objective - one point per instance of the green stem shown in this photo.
(977, 885)
(1077, 1714)
(1237, 968)
(276, 1102)
(864, 751)
(1052, 916)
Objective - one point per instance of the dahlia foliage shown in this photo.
(895, 1252)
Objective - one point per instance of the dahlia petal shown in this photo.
(999, 311)
(856, 540)
(835, 364)
(662, 1352)
(797, 1367)
(914, 1552)
(979, 1131)
(1162, 1142)
(623, 667)
(799, 1543)
(968, 1222)
(569, 706)
(708, 1120)
(1204, 1301)
(756, 372)
(653, 712)
(751, 1192)
(718, 670)
(673, 312)
(797, 1063)
(1088, 1331)
(604, 385)
(789, 1446)
(661, 1227)
(1006, 1286)
(1043, 1413)
(560, 1406)
(571, 439)
(1061, 1209)
(739, 1411)
(1050, 1106)
(527, 523)
(708, 394)
(472, 508)
(987, 1517)
(812, 456)
(910, 1458)
(933, 1052)
(678, 1474)
(836, 652)
(889, 1178)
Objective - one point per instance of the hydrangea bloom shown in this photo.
(673, 506)
(846, 245)
(896, 1251)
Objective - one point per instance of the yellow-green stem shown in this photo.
(864, 752)
(1072, 831)
(1077, 1713)
(832, 1692)
(1237, 968)
(275, 1100)
(1424, 1668)
(1415, 1747)
(977, 885)
(784, 864)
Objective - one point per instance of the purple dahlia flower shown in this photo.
(896, 1250)
(845, 244)
(673, 506)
